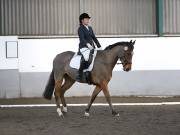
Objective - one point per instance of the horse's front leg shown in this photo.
(93, 97)
(108, 98)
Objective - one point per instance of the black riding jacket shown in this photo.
(87, 36)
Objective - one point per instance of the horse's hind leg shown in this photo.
(57, 92)
(93, 97)
(67, 84)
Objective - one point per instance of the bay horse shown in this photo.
(63, 76)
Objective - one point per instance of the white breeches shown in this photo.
(85, 52)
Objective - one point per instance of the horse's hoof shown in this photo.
(115, 114)
(61, 116)
(64, 109)
(60, 112)
(86, 114)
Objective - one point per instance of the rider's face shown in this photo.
(85, 21)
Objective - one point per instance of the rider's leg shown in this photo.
(88, 63)
(80, 72)
(85, 53)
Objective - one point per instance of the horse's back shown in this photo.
(62, 58)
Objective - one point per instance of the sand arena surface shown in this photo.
(133, 120)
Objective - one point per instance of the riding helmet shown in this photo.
(82, 16)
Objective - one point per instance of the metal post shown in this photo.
(159, 17)
(1, 8)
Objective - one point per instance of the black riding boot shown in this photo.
(80, 72)
(88, 77)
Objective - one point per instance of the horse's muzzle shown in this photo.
(127, 67)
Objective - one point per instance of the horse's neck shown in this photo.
(112, 55)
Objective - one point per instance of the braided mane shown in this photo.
(129, 44)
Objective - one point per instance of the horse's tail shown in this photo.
(48, 92)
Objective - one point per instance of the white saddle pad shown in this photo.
(76, 59)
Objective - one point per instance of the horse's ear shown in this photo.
(133, 42)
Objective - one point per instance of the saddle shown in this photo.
(88, 63)
(78, 60)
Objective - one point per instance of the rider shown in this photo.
(87, 42)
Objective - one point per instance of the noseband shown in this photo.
(124, 61)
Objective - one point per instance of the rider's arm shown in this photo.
(81, 37)
(95, 39)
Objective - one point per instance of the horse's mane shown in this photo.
(129, 44)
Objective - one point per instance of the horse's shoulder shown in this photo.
(100, 53)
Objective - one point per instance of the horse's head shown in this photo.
(126, 55)
(124, 52)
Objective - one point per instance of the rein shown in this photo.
(123, 63)
(118, 63)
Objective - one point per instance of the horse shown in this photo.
(63, 76)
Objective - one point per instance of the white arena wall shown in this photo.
(155, 71)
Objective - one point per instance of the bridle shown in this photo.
(124, 61)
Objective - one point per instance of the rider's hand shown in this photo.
(89, 46)
(100, 48)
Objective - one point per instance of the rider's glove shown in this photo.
(100, 48)
(89, 46)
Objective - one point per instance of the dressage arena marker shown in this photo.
(96, 104)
